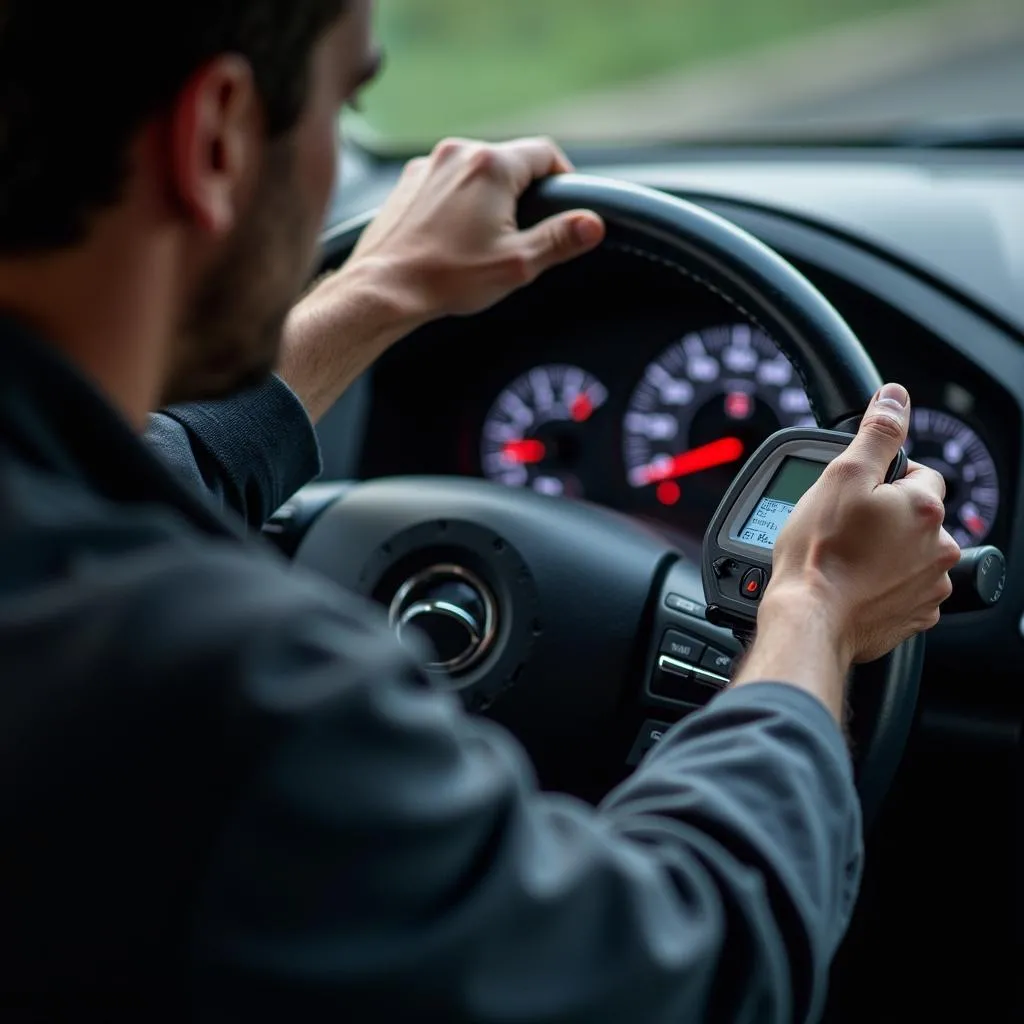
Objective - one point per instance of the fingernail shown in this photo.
(588, 230)
(893, 395)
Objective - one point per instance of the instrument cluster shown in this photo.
(667, 444)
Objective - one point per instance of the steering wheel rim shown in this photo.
(766, 290)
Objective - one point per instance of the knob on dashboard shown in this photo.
(979, 579)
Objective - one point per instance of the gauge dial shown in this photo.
(702, 407)
(948, 445)
(534, 433)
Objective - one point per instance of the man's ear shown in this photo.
(215, 143)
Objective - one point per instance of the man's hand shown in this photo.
(446, 243)
(448, 237)
(861, 565)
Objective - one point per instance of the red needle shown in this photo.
(975, 525)
(696, 460)
(582, 409)
(524, 452)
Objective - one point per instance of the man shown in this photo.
(227, 794)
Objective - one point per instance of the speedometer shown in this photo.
(948, 445)
(703, 406)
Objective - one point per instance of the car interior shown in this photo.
(562, 455)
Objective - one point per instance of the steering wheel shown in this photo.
(549, 615)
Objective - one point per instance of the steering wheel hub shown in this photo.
(454, 609)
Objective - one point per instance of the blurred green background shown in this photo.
(460, 65)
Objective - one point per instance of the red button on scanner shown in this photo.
(752, 584)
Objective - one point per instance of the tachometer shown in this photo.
(533, 434)
(948, 445)
(701, 408)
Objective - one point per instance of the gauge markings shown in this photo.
(531, 435)
(948, 445)
(706, 402)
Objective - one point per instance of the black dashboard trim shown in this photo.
(718, 202)
(904, 288)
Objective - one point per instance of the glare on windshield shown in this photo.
(631, 70)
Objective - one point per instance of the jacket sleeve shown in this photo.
(251, 452)
(395, 860)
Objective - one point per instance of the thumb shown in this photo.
(883, 431)
(562, 238)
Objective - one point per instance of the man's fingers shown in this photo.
(883, 431)
(530, 159)
(927, 478)
(559, 239)
(927, 491)
(416, 168)
(514, 165)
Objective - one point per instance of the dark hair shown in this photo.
(78, 79)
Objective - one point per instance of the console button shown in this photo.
(752, 584)
(684, 605)
(650, 735)
(684, 648)
(675, 668)
(676, 682)
(718, 662)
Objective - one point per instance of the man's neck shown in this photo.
(103, 306)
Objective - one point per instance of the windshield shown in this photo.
(609, 71)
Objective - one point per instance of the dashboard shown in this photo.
(646, 394)
(922, 252)
(608, 383)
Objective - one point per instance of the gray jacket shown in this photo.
(227, 793)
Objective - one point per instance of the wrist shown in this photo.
(799, 642)
(368, 300)
(809, 607)
(345, 322)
